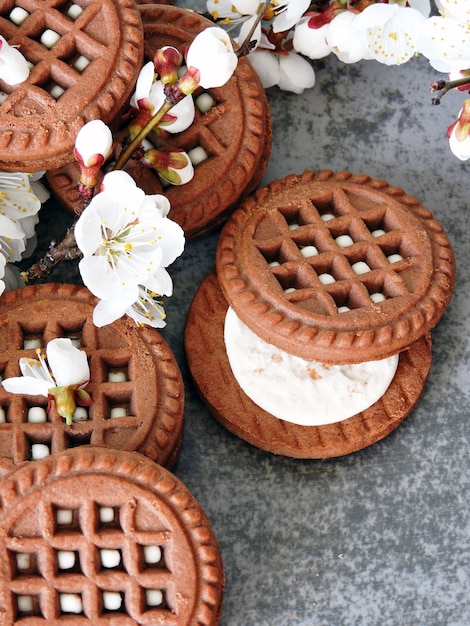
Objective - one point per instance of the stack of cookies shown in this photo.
(93, 529)
(312, 337)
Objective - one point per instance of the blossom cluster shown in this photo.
(294, 32)
(123, 237)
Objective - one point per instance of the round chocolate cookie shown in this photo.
(85, 59)
(234, 133)
(210, 369)
(95, 536)
(135, 383)
(336, 267)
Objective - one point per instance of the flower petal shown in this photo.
(69, 365)
(27, 385)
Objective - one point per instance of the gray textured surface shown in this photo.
(381, 537)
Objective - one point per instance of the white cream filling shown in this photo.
(299, 391)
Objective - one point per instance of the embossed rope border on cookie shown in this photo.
(151, 507)
(37, 131)
(152, 392)
(286, 303)
(228, 403)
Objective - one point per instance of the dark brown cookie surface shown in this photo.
(235, 133)
(86, 58)
(207, 358)
(136, 385)
(338, 268)
(96, 536)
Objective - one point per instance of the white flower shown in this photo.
(390, 31)
(457, 9)
(437, 39)
(20, 200)
(149, 94)
(289, 71)
(13, 66)
(145, 310)
(126, 240)
(62, 380)
(231, 12)
(346, 41)
(211, 54)
(288, 13)
(309, 41)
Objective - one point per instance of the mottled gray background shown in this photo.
(381, 537)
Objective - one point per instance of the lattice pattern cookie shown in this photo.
(136, 385)
(94, 536)
(336, 267)
(85, 58)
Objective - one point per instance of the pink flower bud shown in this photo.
(167, 62)
(459, 133)
(93, 146)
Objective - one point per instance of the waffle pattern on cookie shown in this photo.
(85, 57)
(136, 386)
(234, 133)
(336, 267)
(92, 536)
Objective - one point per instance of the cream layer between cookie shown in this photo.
(303, 392)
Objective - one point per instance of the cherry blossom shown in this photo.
(390, 31)
(436, 41)
(21, 196)
(211, 59)
(126, 240)
(62, 379)
(147, 99)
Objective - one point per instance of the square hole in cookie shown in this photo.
(32, 342)
(110, 559)
(23, 564)
(18, 15)
(36, 414)
(107, 517)
(112, 601)
(72, 10)
(38, 449)
(81, 414)
(116, 370)
(75, 440)
(204, 102)
(118, 405)
(27, 605)
(67, 561)
(155, 598)
(70, 603)
(197, 155)
(48, 38)
(66, 519)
(152, 556)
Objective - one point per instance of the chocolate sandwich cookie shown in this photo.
(135, 383)
(96, 536)
(85, 59)
(233, 131)
(334, 276)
